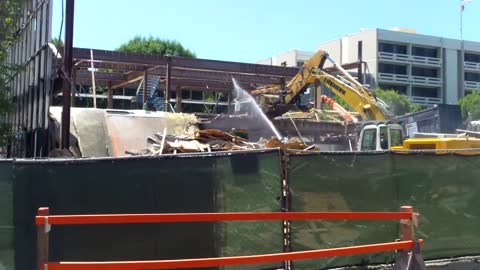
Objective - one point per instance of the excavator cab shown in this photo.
(379, 137)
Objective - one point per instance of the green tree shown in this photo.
(157, 46)
(342, 102)
(470, 104)
(397, 103)
(8, 12)
(57, 42)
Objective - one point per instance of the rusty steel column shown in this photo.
(67, 90)
(74, 90)
(178, 106)
(145, 87)
(360, 61)
(229, 100)
(168, 83)
(110, 96)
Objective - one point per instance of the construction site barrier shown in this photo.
(44, 221)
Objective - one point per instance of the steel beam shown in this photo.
(145, 87)
(168, 81)
(179, 105)
(184, 74)
(74, 90)
(191, 63)
(219, 76)
(101, 76)
(126, 84)
(110, 96)
(82, 63)
(348, 66)
(185, 84)
(194, 85)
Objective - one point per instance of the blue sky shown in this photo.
(250, 30)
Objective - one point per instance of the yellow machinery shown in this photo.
(376, 136)
(275, 100)
(459, 145)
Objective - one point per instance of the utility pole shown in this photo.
(67, 86)
(461, 19)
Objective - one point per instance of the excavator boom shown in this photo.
(367, 105)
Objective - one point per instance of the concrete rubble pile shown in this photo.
(212, 140)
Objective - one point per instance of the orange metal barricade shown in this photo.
(408, 219)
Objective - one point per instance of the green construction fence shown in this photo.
(444, 189)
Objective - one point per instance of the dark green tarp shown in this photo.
(216, 183)
(446, 192)
(6, 216)
(444, 189)
(250, 183)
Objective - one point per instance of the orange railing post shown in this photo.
(42, 238)
(407, 226)
(408, 259)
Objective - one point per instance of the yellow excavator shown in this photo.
(377, 133)
(275, 100)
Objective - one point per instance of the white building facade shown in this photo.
(290, 58)
(430, 70)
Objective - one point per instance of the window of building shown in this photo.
(392, 48)
(426, 92)
(471, 57)
(425, 72)
(393, 69)
(425, 52)
(402, 89)
(473, 77)
(300, 63)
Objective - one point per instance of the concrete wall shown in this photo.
(472, 46)
(431, 41)
(369, 40)
(289, 57)
(451, 76)
(345, 49)
(370, 48)
(303, 55)
(334, 48)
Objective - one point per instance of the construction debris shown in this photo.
(210, 140)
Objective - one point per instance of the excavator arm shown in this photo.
(360, 99)
(304, 77)
(276, 100)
